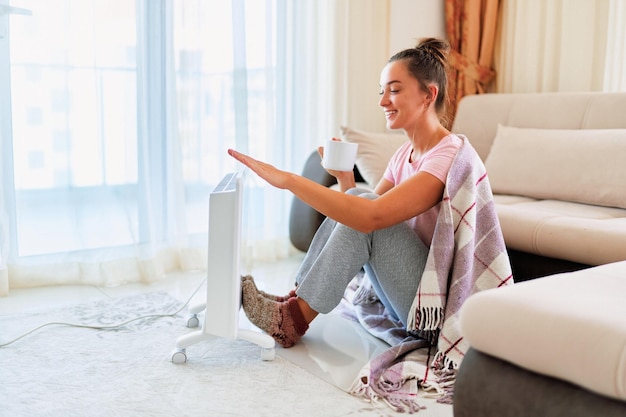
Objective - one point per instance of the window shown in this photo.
(74, 125)
(118, 117)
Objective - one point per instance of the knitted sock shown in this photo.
(283, 320)
(291, 294)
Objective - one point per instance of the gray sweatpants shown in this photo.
(393, 258)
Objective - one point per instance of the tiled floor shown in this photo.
(334, 349)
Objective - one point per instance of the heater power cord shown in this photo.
(107, 327)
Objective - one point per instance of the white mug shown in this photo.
(339, 156)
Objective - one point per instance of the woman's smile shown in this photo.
(389, 114)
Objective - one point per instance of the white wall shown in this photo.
(356, 95)
(411, 20)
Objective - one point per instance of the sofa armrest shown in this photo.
(304, 220)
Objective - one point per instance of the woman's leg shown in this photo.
(394, 259)
(395, 269)
(287, 320)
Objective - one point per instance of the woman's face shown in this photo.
(400, 96)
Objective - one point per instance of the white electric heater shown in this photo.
(223, 287)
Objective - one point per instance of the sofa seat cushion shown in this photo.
(583, 233)
(568, 326)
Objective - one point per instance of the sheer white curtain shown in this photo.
(91, 196)
(561, 45)
(615, 71)
(116, 116)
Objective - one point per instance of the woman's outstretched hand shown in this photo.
(269, 173)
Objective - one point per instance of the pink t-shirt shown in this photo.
(437, 162)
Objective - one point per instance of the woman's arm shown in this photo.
(399, 203)
(383, 186)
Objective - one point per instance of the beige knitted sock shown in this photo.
(282, 320)
(292, 293)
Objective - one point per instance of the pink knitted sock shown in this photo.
(282, 320)
(291, 294)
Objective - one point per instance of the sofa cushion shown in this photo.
(478, 115)
(576, 232)
(568, 326)
(375, 151)
(585, 166)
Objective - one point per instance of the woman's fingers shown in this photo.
(238, 156)
(266, 171)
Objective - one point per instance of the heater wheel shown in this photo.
(268, 354)
(193, 321)
(179, 356)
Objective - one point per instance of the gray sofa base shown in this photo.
(489, 387)
(526, 266)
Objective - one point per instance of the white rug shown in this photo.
(67, 371)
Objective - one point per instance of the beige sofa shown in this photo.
(557, 166)
(552, 346)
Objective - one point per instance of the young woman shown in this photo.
(388, 232)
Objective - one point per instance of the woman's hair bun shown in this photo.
(437, 48)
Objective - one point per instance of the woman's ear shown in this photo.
(433, 90)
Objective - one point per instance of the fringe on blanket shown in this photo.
(445, 370)
(402, 403)
(445, 385)
(441, 389)
(396, 376)
(429, 320)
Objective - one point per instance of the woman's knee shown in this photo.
(362, 193)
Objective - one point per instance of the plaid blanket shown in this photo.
(467, 255)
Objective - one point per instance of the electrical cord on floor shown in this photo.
(109, 327)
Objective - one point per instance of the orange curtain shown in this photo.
(471, 30)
